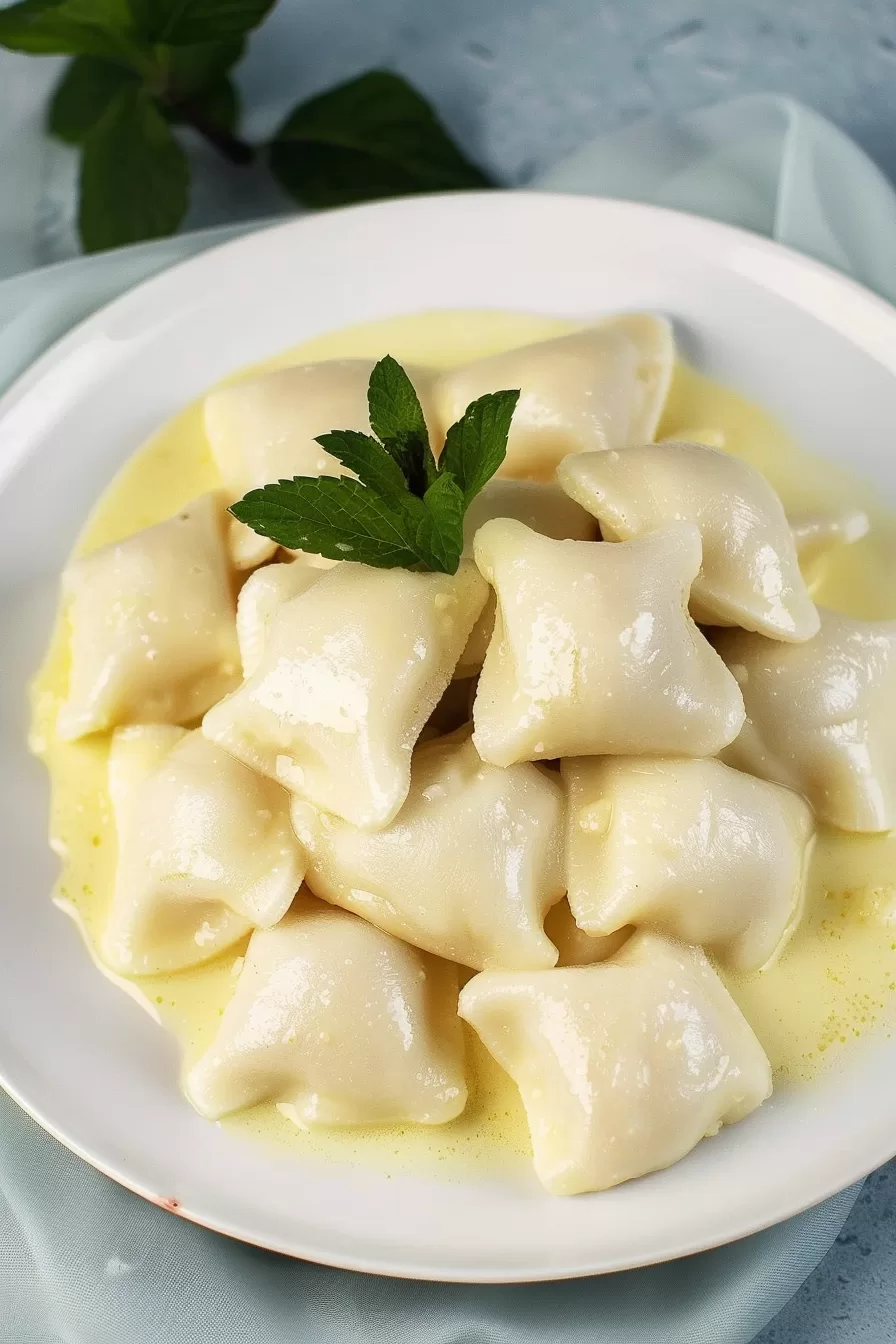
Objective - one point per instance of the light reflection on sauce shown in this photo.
(834, 982)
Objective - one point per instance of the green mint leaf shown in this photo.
(87, 87)
(369, 460)
(103, 28)
(476, 445)
(180, 23)
(396, 416)
(441, 532)
(189, 71)
(134, 175)
(372, 137)
(218, 104)
(335, 517)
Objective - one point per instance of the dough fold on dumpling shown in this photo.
(153, 635)
(351, 670)
(691, 848)
(602, 387)
(623, 1067)
(750, 575)
(261, 597)
(263, 429)
(467, 870)
(205, 851)
(574, 945)
(541, 505)
(594, 652)
(819, 535)
(821, 717)
(338, 1023)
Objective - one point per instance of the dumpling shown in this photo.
(750, 575)
(153, 634)
(351, 670)
(594, 652)
(468, 869)
(623, 1067)
(818, 536)
(541, 505)
(205, 851)
(261, 596)
(692, 848)
(263, 429)
(602, 387)
(339, 1024)
(575, 947)
(821, 717)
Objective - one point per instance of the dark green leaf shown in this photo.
(180, 23)
(190, 70)
(372, 137)
(441, 533)
(475, 447)
(368, 459)
(393, 403)
(134, 175)
(84, 93)
(335, 517)
(103, 28)
(218, 104)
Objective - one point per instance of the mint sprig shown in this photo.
(401, 508)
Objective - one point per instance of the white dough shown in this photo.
(575, 946)
(352, 668)
(153, 634)
(750, 575)
(261, 597)
(821, 717)
(623, 1067)
(594, 651)
(468, 869)
(691, 848)
(205, 851)
(602, 387)
(339, 1024)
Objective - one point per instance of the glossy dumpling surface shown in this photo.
(352, 668)
(205, 850)
(468, 869)
(750, 575)
(602, 387)
(574, 945)
(261, 596)
(263, 429)
(819, 535)
(152, 620)
(624, 1066)
(594, 652)
(338, 1023)
(821, 717)
(691, 848)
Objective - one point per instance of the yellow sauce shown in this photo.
(835, 981)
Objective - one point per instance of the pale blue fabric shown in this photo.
(84, 1262)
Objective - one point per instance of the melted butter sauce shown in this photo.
(835, 981)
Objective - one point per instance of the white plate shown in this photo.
(813, 347)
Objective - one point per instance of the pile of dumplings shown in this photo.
(555, 777)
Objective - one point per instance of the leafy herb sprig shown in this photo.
(401, 508)
(143, 67)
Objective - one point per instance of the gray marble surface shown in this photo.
(521, 82)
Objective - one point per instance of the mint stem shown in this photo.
(230, 146)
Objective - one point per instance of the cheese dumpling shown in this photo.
(821, 717)
(351, 670)
(691, 848)
(602, 387)
(263, 429)
(339, 1024)
(261, 596)
(153, 634)
(469, 867)
(623, 1067)
(205, 851)
(749, 575)
(594, 652)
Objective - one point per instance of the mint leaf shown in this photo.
(368, 459)
(218, 105)
(180, 23)
(188, 71)
(371, 137)
(476, 445)
(335, 517)
(441, 532)
(396, 416)
(103, 28)
(134, 175)
(87, 87)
